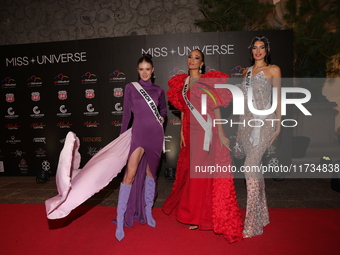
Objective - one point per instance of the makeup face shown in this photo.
(195, 60)
(259, 50)
(145, 71)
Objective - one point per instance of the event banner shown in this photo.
(49, 89)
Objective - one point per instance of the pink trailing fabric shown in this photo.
(77, 185)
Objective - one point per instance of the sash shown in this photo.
(256, 133)
(206, 125)
(151, 104)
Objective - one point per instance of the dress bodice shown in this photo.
(262, 91)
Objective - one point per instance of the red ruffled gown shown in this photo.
(208, 202)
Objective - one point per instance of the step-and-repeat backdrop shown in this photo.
(49, 89)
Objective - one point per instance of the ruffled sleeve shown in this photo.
(176, 84)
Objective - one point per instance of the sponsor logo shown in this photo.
(118, 109)
(8, 83)
(45, 165)
(13, 140)
(35, 96)
(40, 153)
(237, 71)
(167, 138)
(117, 76)
(61, 79)
(88, 78)
(63, 112)
(175, 121)
(11, 114)
(118, 92)
(62, 95)
(23, 167)
(89, 93)
(92, 150)
(176, 71)
(11, 126)
(92, 139)
(62, 124)
(209, 69)
(116, 123)
(18, 153)
(90, 111)
(91, 124)
(10, 97)
(39, 140)
(34, 81)
(37, 125)
(36, 113)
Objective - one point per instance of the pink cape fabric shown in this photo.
(77, 185)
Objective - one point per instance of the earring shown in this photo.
(200, 71)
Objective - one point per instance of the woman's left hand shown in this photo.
(162, 120)
(225, 141)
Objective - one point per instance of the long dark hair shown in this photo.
(203, 67)
(266, 46)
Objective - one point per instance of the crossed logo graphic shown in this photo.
(45, 165)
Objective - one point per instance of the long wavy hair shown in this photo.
(266, 46)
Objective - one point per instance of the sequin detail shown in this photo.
(257, 215)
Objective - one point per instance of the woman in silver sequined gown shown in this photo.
(256, 140)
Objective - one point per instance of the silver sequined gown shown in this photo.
(255, 142)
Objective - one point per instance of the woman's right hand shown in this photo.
(182, 142)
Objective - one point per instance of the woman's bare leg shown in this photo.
(132, 166)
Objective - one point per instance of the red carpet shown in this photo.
(24, 229)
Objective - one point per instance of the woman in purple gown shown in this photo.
(137, 190)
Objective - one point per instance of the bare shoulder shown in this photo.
(245, 70)
(274, 70)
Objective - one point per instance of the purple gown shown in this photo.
(146, 133)
(77, 185)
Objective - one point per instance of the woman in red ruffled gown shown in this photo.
(203, 203)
